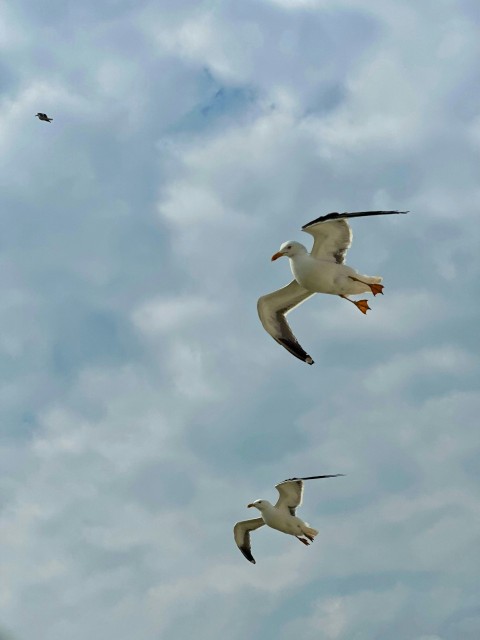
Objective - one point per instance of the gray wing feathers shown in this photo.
(241, 533)
(272, 309)
(290, 495)
(332, 240)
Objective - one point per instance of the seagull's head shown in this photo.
(290, 249)
(259, 504)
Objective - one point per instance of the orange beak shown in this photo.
(250, 505)
(277, 255)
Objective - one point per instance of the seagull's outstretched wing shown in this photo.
(332, 233)
(241, 533)
(291, 492)
(272, 309)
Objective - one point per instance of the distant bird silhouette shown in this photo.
(44, 117)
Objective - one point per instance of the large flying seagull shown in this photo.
(320, 271)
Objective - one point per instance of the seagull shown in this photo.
(320, 271)
(43, 116)
(280, 516)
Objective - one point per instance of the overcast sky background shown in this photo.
(142, 404)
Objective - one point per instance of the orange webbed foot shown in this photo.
(376, 288)
(362, 305)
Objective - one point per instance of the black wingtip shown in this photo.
(295, 349)
(334, 475)
(248, 554)
(354, 214)
(331, 475)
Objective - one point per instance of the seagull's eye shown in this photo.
(289, 246)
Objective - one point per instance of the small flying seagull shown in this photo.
(43, 116)
(280, 516)
(320, 271)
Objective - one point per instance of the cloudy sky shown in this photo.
(142, 404)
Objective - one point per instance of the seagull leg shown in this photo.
(305, 542)
(360, 304)
(376, 288)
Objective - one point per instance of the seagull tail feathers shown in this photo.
(310, 531)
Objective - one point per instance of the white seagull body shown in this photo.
(320, 271)
(281, 516)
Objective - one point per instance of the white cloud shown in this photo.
(170, 314)
(407, 369)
